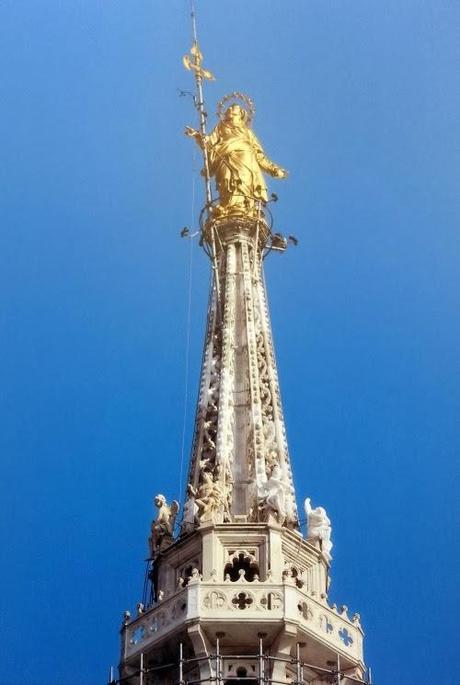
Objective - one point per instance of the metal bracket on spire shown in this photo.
(193, 62)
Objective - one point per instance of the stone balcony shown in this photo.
(259, 606)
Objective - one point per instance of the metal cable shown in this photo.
(188, 329)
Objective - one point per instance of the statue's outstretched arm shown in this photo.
(196, 135)
(201, 140)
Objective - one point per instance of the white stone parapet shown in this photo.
(264, 604)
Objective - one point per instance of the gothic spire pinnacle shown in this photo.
(239, 547)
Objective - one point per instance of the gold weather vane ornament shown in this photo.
(194, 61)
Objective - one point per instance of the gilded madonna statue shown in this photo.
(236, 160)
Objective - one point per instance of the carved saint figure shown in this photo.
(163, 525)
(189, 519)
(275, 499)
(236, 160)
(319, 528)
(209, 498)
(225, 478)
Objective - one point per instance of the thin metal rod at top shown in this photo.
(199, 104)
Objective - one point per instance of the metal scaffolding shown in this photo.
(216, 661)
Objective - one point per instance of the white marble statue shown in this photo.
(163, 525)
(189, 519)
(209, 497)
(319, 528)
(275, 498)
(225, 478)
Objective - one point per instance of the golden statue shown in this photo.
(236, 160)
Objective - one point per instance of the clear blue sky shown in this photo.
(359, 100)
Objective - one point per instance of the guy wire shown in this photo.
(188, 328)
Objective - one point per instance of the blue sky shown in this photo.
(359, 100)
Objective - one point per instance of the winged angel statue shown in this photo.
(162, 528)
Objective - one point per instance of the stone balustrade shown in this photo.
(258, 602)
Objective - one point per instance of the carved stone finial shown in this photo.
(140, 609)
(126, 617)
(195, 577)
(288, 578)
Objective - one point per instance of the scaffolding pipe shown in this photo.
(141, 671)
(261, 661)
(298, 671)
(218, 663)
(181, 664)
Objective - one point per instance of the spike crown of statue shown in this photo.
(236, 160)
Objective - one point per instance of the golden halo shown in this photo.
(245, 100)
